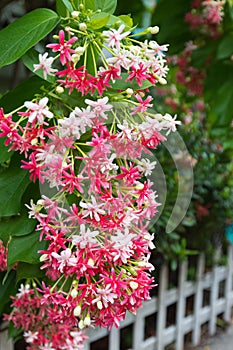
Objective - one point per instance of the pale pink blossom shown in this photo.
(113, 37)
(38, 110)
(45, 63)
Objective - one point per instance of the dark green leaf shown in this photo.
(22, 34)
(6, 289)
(225, 48)
(18, 225)
(4, 154)
(13, 183)
(68, 5)
(173, 28)
(29, 59)
(218, 94)
(23, 92)
(25, 270)
(99, 20)
(25, 248)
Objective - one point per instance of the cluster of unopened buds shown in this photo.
(206, 16)
(94, 158)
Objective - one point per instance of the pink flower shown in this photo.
(143, 105)
(63, 47)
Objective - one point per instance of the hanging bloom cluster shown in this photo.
(93, 156)
(187, 75)
(206, 16)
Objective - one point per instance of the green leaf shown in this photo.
(218, 94)
(23, 92)
(13, 183)
(25, 270)
(6, 289)
(225, 48)
(127, 20)
(4, 154)
(108, 6)
(68, 5)
(61, 8)
(99, 20)
(22, 34)
(18, 225)
(29, 59)
(25, 248)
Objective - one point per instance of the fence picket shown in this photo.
(5, 343)
(213, 301)
(162, 308)
(196, 336)
(228, 285)
(181, 306)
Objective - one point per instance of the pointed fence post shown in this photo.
(162, 308)
(196, 337)
(181, 302)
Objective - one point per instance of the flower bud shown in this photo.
(59, 89)
(133, 285)
(75, 14)
(153, 30)
(162, 81)
(81, 324)
(99, 305)
(129, 91)
(87, 320)
(74, 293)
(81, 6)
(77, 311)
(82, 27)
(91, 262)
(43, 257)
(80, 50)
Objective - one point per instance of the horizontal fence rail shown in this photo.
(211, 295)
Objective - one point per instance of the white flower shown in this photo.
(92, 209)
(170, 123)
(86, 237)
(64, 259)
(146, 166)
(30, 336)
(38, 110)
(113, 36)
(45, 64)
(23, 290)
(100, 106)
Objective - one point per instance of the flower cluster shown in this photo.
(206, 16)
(93, 155)
(204, 19)
(3, 257)
(187, 75)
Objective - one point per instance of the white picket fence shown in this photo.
(217, 284)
